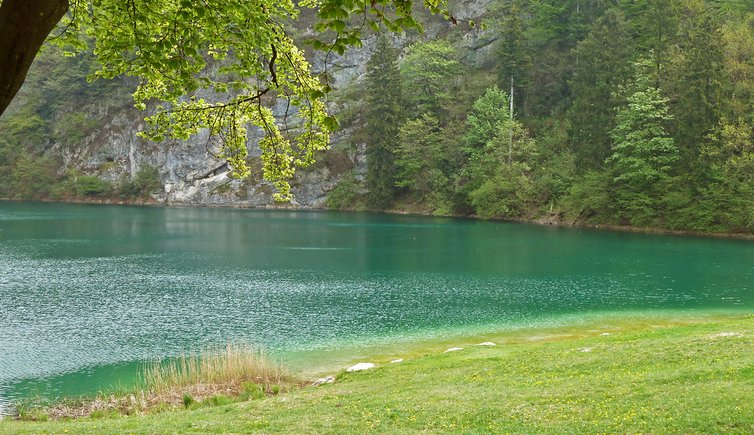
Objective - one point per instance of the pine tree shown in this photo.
(603, 66)
(643, 153)
(654, 26)
(694, 82)
(383, 120)
(513, 52)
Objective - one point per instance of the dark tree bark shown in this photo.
(24, 26)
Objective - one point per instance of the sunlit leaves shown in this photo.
(217, 66)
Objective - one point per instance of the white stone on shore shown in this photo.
(586, 349)
(486, 343)
(361, 366)
(453, 349)
(605, 334)
(326, 380)
(396, 360)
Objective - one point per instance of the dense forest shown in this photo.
(618, 112)
(623, 112)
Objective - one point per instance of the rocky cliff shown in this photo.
(190, 174)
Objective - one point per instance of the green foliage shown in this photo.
(738, 50)
(653, 24)
(729, 193)
(643, 154)
(237, 52)
(500, 154)
(31, 178)
(346, 194)
(513, 49)
(429, 71)
(73, 128)
(217, 400)
(590, 198)
(144, 183)
(383, 120)
(505, 193)
(418, 156)
(672, 151)
(694, 84)
(252, 391)
(603, 66)
(422, 167)
(489, 119)
(88, 185)
(553, 177)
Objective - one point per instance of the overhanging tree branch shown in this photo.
(24, 26)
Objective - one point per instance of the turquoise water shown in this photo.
(87, 292)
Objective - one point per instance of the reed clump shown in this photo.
(214, 376)
(233, 363)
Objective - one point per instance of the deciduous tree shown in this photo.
(208, 65)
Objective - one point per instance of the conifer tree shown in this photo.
(643, 153)
(603, 66)
(695, 82)
(382, 122)
(513, 52)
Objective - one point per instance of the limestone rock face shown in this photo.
(190, 174)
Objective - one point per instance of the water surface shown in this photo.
(88, 291)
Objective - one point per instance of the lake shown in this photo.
(88, 292)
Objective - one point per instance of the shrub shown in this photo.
(89, 185)
(346, 194)
(144, 183)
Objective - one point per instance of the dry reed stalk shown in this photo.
(227, 371)
(234, 364)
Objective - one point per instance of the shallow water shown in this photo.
(87, 292)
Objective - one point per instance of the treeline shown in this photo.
(635, 112)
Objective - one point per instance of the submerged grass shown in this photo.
(212, 377)
(658, 377)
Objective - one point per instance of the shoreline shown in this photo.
(312, 364)
(544, 221)
(571, 335)
(672, 378)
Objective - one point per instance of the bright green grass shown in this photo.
(651, 376)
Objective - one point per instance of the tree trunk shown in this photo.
(510, 129)
(24, 26)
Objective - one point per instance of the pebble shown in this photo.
(453, 349)
(486, 343)
(396, 360)
(326, 380)
(361, 366)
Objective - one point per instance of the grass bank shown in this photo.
(658, 376)
(214, 376)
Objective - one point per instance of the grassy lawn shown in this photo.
(659, 377)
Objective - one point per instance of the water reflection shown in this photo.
(84, 289)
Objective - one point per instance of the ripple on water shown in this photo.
(147, 287)
(59, 316)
